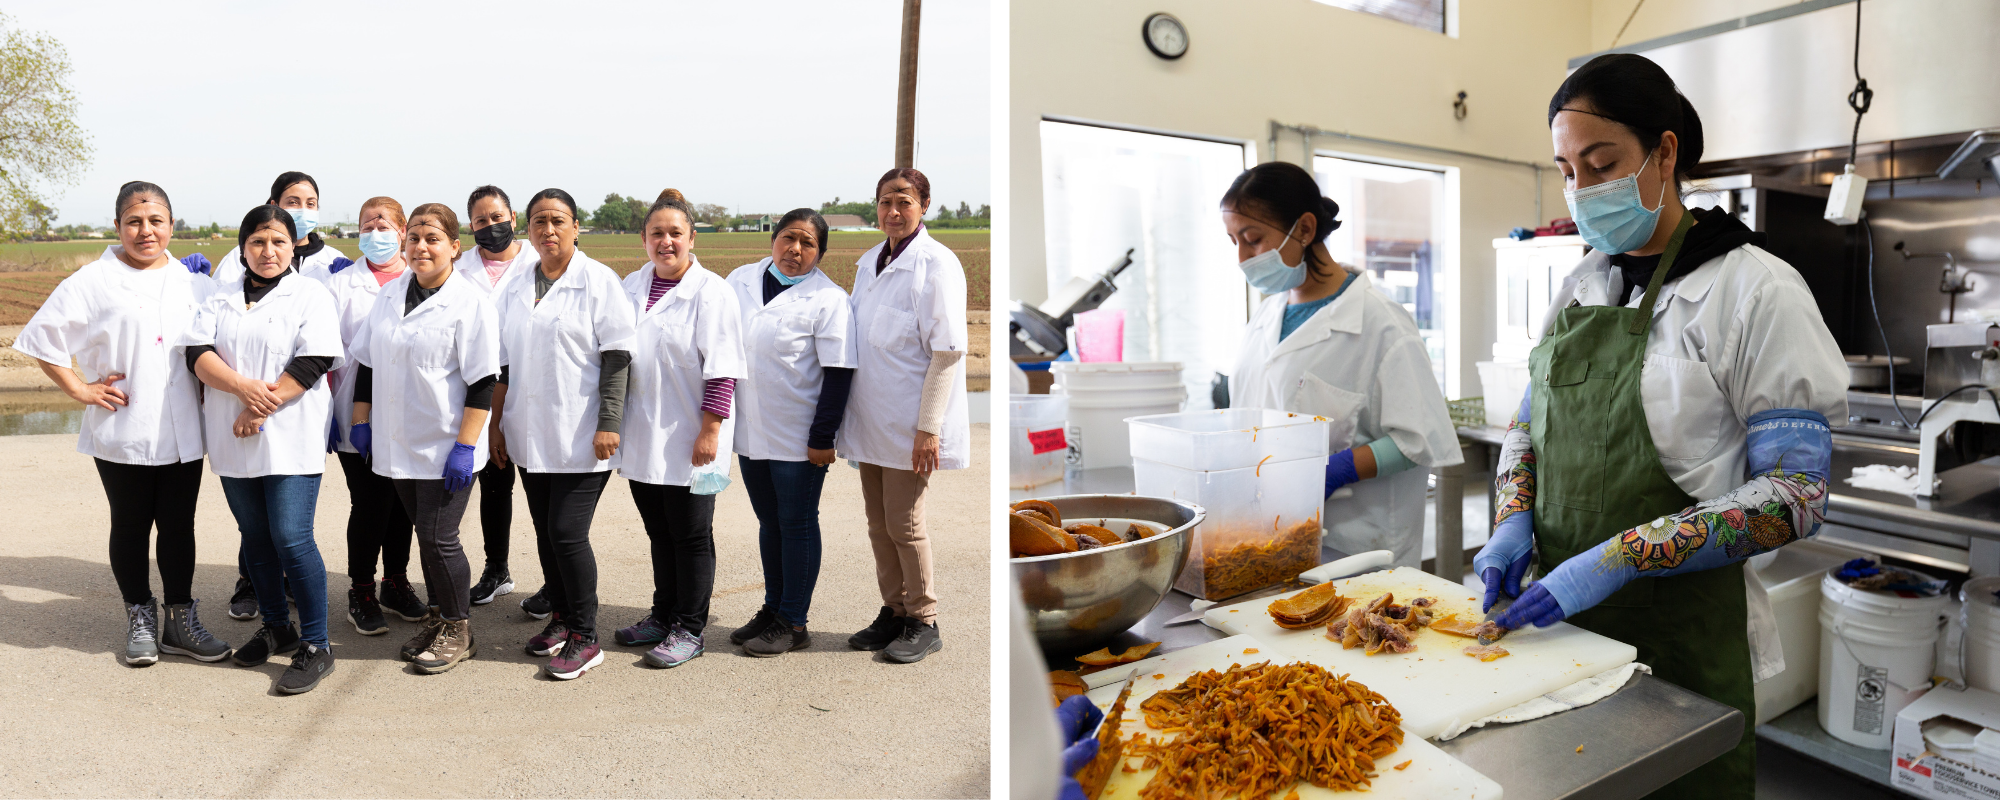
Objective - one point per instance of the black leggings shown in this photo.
(496, 511)
(562, 505)
(680, 524)
(141, 498)
(376, 523)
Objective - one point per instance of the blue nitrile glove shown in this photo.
(1508, 581)
(196, 262)
(458, 468)
(362, 438)
(1340, 471)
(1077, 718)
(1506, 553)
(339, 263)
(1536, 606)
(333, 436)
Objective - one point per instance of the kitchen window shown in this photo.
(1392, 225)
(1426, 14)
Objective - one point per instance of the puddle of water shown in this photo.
(35, 422)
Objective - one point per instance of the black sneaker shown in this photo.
(918, 640)
(536, 605)
(243, 603)
(309, 664)
(494, 583)
(886, 627)
(756, 627)
(778, 638)
(267, 642)
(398, 597)
(365, 611)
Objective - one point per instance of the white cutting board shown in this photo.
(1431, 773)
(1436, 686)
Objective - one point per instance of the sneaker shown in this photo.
(550, 639)
(453, 643)
(243, 602)
(494, 583)
(679, 648)
(183, 635)
(647, 631)
(577, 657)
(399, 598)
(755, 627)
(777, 639)
(267, 642)
(427, 629)
(886, 627)
(537, 605)
(142, 637)
(309, 665)
(365, 611)
(918, 640)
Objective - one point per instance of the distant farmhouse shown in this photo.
(847, 222)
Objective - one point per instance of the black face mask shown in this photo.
(495, 237)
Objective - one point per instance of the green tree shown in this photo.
(615, 214)
(944, 211)
(964, 210)
(862, 208)
(985, 212)
(41, 145)
(635, 213)
(711, 213)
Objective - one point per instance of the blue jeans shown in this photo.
(785, 495)
(275, 514)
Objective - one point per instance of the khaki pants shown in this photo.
(895, 502)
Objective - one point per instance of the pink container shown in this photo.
(1100, 335)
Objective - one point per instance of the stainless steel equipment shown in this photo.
(1079, 601)
(1871, 372)
(1041, 331)
(1961, 384)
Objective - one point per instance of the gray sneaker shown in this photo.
(918, 640)
(679, 648)
(142, 639)
(183, 635)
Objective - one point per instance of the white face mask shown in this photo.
(380, 247)
(1267, 272)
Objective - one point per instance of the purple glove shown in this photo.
(333, 436)
(1077, 718)
(1340, 471)
(196, 262)
(339, 264)
(1510, 582)
(1536, 606)
(458, 468)
(362, 439)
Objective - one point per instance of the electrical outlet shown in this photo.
(1843, 201)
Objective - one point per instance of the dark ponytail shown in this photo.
(1279, 192)
(1633, 91)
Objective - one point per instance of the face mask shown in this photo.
(306, 219)
(787, 279)
(1611, 217)
(495, 237)
(380, 247)
(1268, 273)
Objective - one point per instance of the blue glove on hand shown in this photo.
(1508, 581)
(1340, 471)
(1077, 718)
(1535, 606)
(338, 264)
(196, 262)
(458, 468)
(362, 439)
(333, 437)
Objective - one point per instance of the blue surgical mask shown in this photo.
(1611, 217)
(305, 218)
(1268, 273)
(380, 247)
(786, 279)
(709, 480)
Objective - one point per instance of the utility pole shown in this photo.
(906, 88)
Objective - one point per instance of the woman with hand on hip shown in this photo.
(272, 328)
(907, 415)
(799, 334)
(685, 364)
(565, 345)
(431, 360)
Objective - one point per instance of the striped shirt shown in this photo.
(661, 286)
(716, 394)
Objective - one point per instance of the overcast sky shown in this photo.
(760, 106)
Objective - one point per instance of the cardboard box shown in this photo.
(1947, 775)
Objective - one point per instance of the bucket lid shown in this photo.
(1981, 592)
(1114, 367)
(1866, 574)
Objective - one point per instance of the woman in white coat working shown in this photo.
(272, 328)
(799, 336)
(565, 347)
(498, 257)
(120, 319)
(685, 363)
(430, 353)
(1325, 342)
(298, 194)
(906, 416)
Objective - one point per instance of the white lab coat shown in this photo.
(692, 335)
(1738, 335)
(789, 342)
(1360, 363)
(471, 264)
(317, 266)
(553, 351)
(297, 318)
(111, 318)
(354, 293)
(422, 363)
(916, 306)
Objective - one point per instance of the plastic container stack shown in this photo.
(1102, 394)
(1037, 445)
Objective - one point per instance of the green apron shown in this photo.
(1597, 473)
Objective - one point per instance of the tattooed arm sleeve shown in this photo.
(1513, 524)
(1790, 454)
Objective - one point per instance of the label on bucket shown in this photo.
(1074, 440)
(1871, 684)
(1047, 441)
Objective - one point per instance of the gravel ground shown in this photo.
(824, 722)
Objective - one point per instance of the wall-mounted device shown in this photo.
(1165, 36)
(1041, 332)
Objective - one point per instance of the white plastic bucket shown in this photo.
(1876, 654)
(1038, 446)
(1980, 616)
(1501, 385)
(1103, 394)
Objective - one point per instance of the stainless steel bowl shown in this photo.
(1079, 601)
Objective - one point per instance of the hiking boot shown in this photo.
(577, 657)
(755, 627)
(142, 635)
(550, 639)
(679, 648)
(647, 631)
(537, 605)
(267, 642)
(919, 639)
(777, 639)
(183, 635)
(453, 643)
(402, 600)
(309, 665)
(427, 629)
(886, 627)
(365, 612)
(493, 583)
(243, 602)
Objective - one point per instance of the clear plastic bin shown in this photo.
(1037, 441)
(1230, 438)
(1262, 528)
